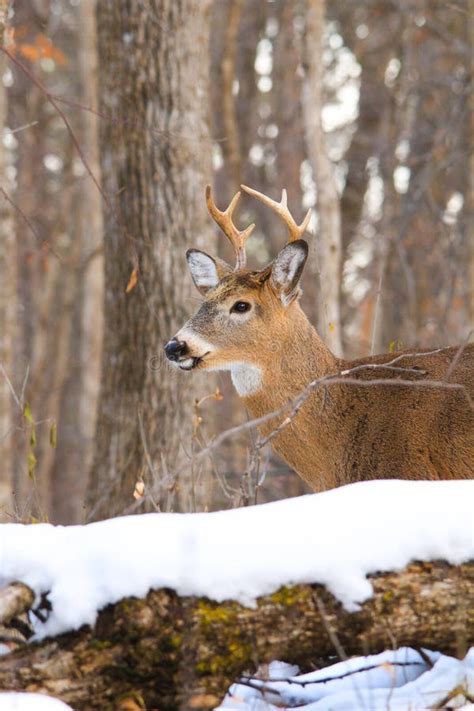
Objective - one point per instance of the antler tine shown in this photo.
(281, 208)
(236, 237)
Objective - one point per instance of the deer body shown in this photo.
(252, 325)
(348, 433)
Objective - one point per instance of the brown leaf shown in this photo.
(132, 282)
(139, 490)
(30, 52)
(53, 435)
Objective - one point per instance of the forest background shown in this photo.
(114, 117)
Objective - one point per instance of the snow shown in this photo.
(396, 680)
(335, 538)
(12, 701)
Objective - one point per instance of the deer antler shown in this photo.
(236, 237)
(281, 208)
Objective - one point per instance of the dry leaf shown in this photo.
(41, 48)
(139, 490)
(53, 435)
(31, 463)
(27, 413)
(30, 52)
(132, 282)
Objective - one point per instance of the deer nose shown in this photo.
(174, 349)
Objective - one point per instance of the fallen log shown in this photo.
(14, 600)
(169, 652)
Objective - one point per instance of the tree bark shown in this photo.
(155, 159)
(45, 252)
(227, 75)
(79, 396)
(7, 300)
(328, 201)
(170, 652)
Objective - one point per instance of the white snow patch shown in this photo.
(396, 680)
(12, 701)
(335, 538)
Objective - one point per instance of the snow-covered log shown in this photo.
(184, 652)
(307, 580)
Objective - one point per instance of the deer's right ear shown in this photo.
(287, 269)
(205, 270)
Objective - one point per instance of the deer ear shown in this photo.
(287, 269)
(205, 270)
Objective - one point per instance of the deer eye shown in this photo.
(240, 307)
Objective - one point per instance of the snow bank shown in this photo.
(396, 680)
(335, 538)
(12, 701)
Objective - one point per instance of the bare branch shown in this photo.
(54, 104)
(337, 379)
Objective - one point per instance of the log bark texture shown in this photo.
(167, 652)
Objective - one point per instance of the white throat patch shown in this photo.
(246, 378)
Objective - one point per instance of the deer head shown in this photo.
(243, 311)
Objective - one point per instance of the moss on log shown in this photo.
(165, 652)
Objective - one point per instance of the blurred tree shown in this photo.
(79, 395)
(37, 332)
(426, 294)
(328, 203)
(8, 406)
(413, 127)
(156, 159)
(225, 25)
(57, 231)
(286, 106)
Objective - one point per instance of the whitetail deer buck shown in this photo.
(418, 423)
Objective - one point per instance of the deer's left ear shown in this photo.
(287, 269)
(205, 270)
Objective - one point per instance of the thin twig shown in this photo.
(457, 357)
(54, 103)
(10, 386)
(325, 381)
(21, 128)
(382, 366)
(328, 627)
(163, 133)
(300, 682)
(20, 211)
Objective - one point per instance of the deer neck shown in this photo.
(295, 358)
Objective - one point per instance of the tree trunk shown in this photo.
(8, 406)
(155, 158)
(231, 145)
(172, 653)
(328, 202)
(44, 255)
(79, 395)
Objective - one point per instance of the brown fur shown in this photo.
(344, 432)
